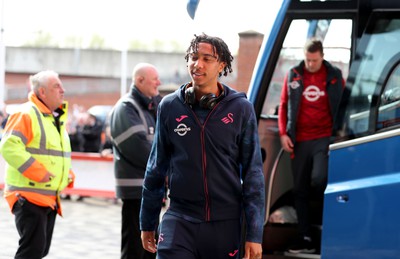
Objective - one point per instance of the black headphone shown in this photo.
(207, 101)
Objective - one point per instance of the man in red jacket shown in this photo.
(309, 101)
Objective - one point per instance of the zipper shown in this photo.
(207, 209)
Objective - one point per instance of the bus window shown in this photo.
(372, 66)
(336, 35)
(389, 108)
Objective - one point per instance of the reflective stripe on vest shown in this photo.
(42, 150)
(129, 182)
(134, 129)
(129, 132)
(11, 188)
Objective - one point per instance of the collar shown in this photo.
(42, 107)
(145, 102)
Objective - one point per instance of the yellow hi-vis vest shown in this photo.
(47, 150)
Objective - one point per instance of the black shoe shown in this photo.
(303, 245)
(65, 197)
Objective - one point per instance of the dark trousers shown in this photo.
(35, 225)
(180, 238)
(131, 242)
(310, 171)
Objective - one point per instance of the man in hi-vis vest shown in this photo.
(37, 151)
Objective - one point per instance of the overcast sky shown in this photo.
(121, 21)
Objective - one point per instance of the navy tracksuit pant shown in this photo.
(181, 238)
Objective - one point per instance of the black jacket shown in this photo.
(334, 87)
(132, 140)
(91, 136)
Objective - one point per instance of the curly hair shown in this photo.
(220, 49)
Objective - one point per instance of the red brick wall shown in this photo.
(89, 100)
(20, 82)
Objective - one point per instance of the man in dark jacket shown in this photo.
(132, 123)
(206, 143)
(309, 101)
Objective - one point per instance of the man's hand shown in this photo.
(287, 143)
(71, 179)
(252, 251)
(149, 241)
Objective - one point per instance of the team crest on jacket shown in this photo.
(294, 84)
(228, 118)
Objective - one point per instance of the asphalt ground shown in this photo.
(89, 229)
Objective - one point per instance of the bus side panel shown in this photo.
(361, 212)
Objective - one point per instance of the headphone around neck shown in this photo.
(207, 101)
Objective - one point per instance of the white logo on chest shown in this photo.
(182, 129)
(312, 93)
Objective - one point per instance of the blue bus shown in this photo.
(360, 218)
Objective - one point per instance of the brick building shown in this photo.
(93, 77)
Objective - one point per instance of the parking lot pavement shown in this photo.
(89, 229)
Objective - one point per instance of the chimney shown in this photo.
(249, 46)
